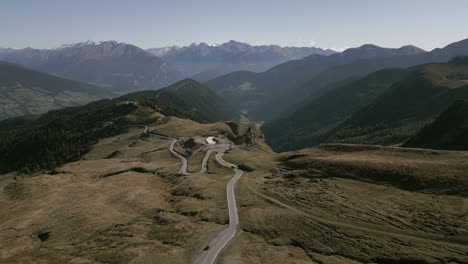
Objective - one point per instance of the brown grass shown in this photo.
(125, 203)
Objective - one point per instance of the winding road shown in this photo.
(215, 246)
(183, 167)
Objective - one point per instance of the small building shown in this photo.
(210, 140)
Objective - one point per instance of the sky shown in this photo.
(336, 24)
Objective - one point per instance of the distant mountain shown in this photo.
(211, 61)
(28, 57)
(283, 82)
(449, 131)
(25, 91)
(369, 51)
(120, 66)
(189, 98)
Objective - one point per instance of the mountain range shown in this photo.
(122, 67)
(204, 61)
(125, 68)
(252, 91)
(292, 83)
(386, 107)
(320, 98)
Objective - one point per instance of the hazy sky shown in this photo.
(325, 23)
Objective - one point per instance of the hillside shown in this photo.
(125, 201)
(385, 107)
(449, 130)
(32, 143)
(210, 61)
(190, 98)
(24, 91)
(120, 66)
(407, 106)
(311, 122)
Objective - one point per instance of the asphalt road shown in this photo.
(214, 247)
(183, 167)
(219, 243)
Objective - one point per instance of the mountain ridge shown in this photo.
(123, 67)
(203, 58)
(284, 78)
(290, 83)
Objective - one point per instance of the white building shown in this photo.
(210, 140)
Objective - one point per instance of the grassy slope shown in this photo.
(25, 91)
(344, 203)
(104, 210)
(331, 204)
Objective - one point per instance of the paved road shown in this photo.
(214, 247)
(183, 167)
(217, 245)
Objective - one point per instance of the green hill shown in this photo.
(449, 131)
(25, 91)
(32, 143)
(190, 98)
(407, 106)
(386, 107)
